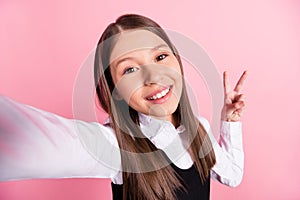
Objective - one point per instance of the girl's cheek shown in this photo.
(127, 86)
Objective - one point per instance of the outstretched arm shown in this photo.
(38, 144)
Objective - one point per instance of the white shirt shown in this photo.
(38, 144)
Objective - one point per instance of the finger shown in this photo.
(226, 84)
(239, 105)
(239, 84)
(237, 116)
(235, 108)
(232, 107)
(240, 97)
(239, 112)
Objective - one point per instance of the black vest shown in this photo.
(191, 180)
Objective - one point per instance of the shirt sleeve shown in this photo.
(229, 167)
(38, 144)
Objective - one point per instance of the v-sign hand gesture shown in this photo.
(233, 101)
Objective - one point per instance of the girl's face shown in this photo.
(146, 74)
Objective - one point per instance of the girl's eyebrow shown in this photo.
(132, 58)
(159, 46)
(122, 60)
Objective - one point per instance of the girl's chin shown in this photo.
(161, 112)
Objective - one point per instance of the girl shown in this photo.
(152, 146)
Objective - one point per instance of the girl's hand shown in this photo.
(233, 101)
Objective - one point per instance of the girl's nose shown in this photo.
(152, 74)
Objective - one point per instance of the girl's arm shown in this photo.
(229, 150)
(38, 144)
(229, 153)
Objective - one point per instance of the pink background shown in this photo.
(43, 44)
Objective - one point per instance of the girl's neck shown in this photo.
(172, 118)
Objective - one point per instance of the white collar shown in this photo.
(154, 124)
(152, 127)
(165, 136)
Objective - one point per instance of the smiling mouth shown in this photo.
(160, 95)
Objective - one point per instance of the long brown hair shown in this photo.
(163, 182)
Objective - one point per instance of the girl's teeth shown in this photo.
(160, 95)
(163, 93)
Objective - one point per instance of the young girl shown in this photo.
(152, 146)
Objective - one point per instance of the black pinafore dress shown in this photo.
(195, 189)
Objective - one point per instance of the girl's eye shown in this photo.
(130, 70)
(161, 57)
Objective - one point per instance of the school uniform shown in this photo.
(194, 188)
(38, 144)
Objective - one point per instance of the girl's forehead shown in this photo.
(134, 40)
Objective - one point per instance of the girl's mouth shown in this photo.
(161, 96)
